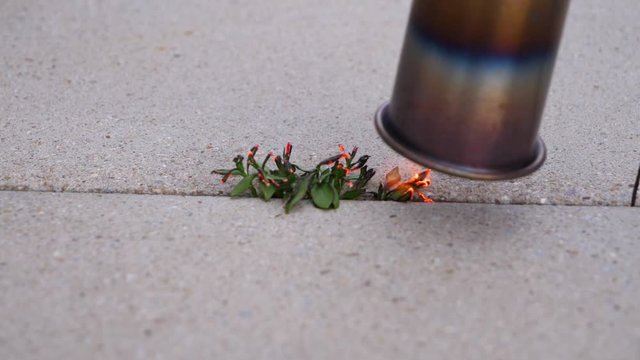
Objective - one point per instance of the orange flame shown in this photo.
(424, 198)
(421, 180)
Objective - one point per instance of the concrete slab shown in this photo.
(133, 96)
(126, 276)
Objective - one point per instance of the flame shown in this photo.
(424, 198)
(411, 188)
(423, 181)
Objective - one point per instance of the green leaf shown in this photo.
(380, 195)
(340, 173)
(322, 195)
(336, 198)
(240, 168)
(299, 192)
(243, 185)
(267, 191)
(394, 195)
(324, 175)
(402, 194)
(353, 194)
(276, 176)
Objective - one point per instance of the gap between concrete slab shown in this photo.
(171, 192)
(634, 196)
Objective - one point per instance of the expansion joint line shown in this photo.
(634, 196)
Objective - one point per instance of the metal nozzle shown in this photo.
(471, 85)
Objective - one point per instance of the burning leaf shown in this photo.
(392, 179)
(394, 189)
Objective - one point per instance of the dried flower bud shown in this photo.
(287, 151)
(331, 160)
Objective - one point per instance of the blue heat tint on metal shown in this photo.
(468, 56)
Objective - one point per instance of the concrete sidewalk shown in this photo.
(126, 96)
(125, 276)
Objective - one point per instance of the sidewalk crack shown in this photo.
(634, 196)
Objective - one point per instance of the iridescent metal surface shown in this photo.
(471, 85)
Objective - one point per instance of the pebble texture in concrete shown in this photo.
(134, 96)
(125, 276)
